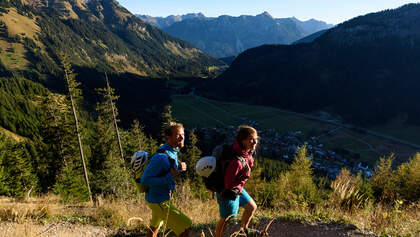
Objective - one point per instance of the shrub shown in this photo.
(71, 184)
(382, 180)
(401, 184)
(407, 179)
(300, 177)
(296, 187)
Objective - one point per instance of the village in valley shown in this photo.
(282, 146)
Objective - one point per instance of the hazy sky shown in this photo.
(331, 11)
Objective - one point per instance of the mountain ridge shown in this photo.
(364, 69)
(226, 35)
(104, 33)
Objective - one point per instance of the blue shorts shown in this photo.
(231, 207)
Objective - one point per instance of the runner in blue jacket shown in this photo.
(159, 176)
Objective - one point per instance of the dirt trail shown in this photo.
(278, 228)
(281, 228)
(62, 229)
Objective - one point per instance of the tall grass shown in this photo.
(347, 193)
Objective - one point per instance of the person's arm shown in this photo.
(157, 166)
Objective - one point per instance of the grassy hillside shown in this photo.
(202, 112)
(12, 135)
(94, 34)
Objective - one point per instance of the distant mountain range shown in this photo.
(366, 70)
(228, 36)
(163, 22)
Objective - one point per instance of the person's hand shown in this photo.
(174, 172)
(183, 166)
(230, 194)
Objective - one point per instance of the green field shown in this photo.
(201, 112)
(198, 111)
(407, 132)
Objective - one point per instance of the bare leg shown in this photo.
(185, 233)
(250, 208)
(220, 227)
(153, 232)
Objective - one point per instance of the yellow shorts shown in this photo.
(177, 221)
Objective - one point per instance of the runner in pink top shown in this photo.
(236, 175)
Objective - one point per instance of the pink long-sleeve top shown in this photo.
(236, 175)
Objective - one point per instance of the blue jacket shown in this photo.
(157, 175)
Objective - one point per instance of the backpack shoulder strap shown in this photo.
(160, 150)
(230, 153)
(171, 161)
(243, 162)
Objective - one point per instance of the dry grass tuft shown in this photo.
(20, 212)
(346, 193)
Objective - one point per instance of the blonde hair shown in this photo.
(169, 127)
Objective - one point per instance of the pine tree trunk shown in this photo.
(79, 140)
(115, 119)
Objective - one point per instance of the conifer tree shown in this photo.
(152, 144)
(192, 155)
(166, 118)
(114, 117)
(57, 142)
(300, 177)
(135, 139)
(167, 114)
(17, 171)
(70, 179)
(138, 139)
(408, 175)
(383, 180)
(3, 175)
(110, 175)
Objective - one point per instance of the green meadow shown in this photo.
(195, 111)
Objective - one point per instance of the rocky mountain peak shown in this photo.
(265, 14)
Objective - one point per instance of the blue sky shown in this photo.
(331, 11)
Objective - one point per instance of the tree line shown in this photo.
(49, 159)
